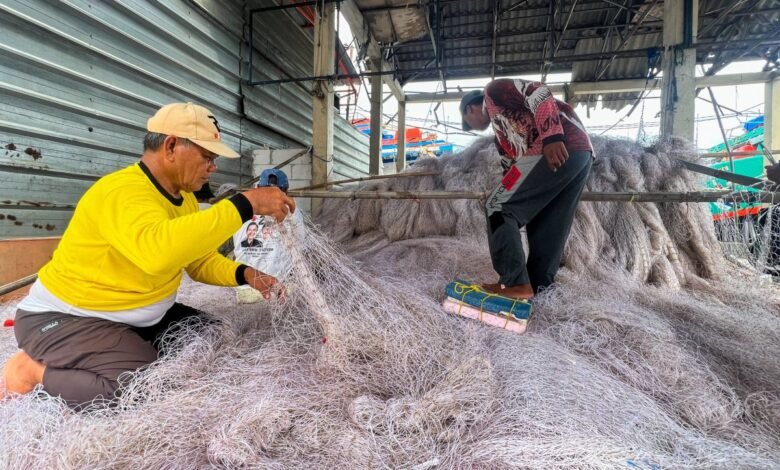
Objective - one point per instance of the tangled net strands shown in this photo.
(652, 351)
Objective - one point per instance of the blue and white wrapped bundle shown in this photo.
(471, 301)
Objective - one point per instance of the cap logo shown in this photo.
(216, 124)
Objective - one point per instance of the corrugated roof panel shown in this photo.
(467, 34)
(390, 25)
(617, 69)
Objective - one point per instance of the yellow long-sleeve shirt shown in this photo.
(129, 242)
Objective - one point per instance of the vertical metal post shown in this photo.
(375, 140)
(337, 51)
(251, 44)
(679, 86)
(400, 156)
(322, 104)
(496, 16)
(772, 115)
(688, 22)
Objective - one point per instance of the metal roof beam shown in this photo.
(360, 29)
(487, 15)
(409, 58)
(613, 86)
(628, 36)
(565, 27)
(389, 8)
(496, 17)
(410, 4)
(543, 11)
(758, 41)
(722, 60)
(517, 33)
(433, 15)
(514, 65)
(626, 7)
(548, 43)
(725, 13)
(557, 39)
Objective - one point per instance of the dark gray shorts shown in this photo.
(85, 357)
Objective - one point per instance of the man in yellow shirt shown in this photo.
(100, 305)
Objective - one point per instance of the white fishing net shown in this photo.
(652, 351)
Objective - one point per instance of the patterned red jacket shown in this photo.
(525, 117)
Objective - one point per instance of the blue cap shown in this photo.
(281, 179)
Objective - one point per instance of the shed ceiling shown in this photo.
(481, 38)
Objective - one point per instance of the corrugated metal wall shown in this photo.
(79, 78)
(288, 52)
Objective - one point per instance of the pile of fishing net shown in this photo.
(653, 350)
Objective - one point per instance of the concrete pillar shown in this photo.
(375, 142)
(678, 94)
(400, 156)
(772, 115)
(322, 125)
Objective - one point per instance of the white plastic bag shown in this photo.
(258, 243)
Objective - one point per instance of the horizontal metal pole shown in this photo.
(488, 15)
(543, 13)
(736, 154)
(691, 196)
(40, 205)
(499, 65)
(292, 5)
(612, 86)
(12, 286)
(31, 170)
(508, 65)
(518, 33)
(323, 194)
(453, 39)
(405, 6)
(422, 56)
(369, 178)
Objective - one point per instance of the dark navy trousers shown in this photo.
(533, 196)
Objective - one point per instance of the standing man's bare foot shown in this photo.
(21, 374)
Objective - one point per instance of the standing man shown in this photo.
(546, 156)
(100, 306)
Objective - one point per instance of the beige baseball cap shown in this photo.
(193, 122)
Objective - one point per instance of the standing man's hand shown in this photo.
(271, 201)
(267, 285)
(556, 155)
